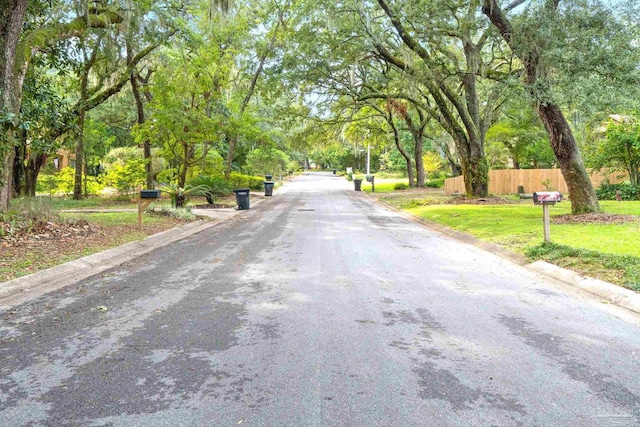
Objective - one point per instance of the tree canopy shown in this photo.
(210, 88)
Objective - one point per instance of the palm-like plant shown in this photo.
(215, 186)
(179, 194)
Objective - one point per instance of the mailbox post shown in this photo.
(546, 199)
(145, 197)
(372, 180)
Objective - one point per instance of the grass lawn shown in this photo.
(63, 203)
(382, 185)
(606, 251)
(386, 185)
(519, 226)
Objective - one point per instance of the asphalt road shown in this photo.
(319, 308)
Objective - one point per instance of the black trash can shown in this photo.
(357, 183)
(334, 171)
(268, 177)
(242, 198)
(268, 188)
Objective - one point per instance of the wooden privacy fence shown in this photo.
(507, 181)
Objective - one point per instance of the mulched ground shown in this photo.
(594, 218)
(464, 200)
(51, 244)
(213, 206)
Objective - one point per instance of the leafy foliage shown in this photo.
(127, 177)
(627, 191)
(182, 214)
(519, 135)
(432, 163)
(267, 160)
(179, 195)
(238, 180)
(619, 150)
(435, 182)
(214, 186)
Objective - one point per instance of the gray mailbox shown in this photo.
(543, 197)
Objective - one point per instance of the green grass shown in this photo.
(385, 186)
(622, 269)
(520, 225)
(63, 203)
(107, 219)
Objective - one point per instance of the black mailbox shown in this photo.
(149, 194)
(544, 197)
(369, 178)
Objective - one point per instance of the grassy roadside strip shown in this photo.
(604, 251)
(623, 270)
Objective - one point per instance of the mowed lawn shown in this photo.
(519, 226)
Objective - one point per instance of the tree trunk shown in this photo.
(456, 169)
(182, 171)
(6, 177)
(18, 165)
(12, 14)
(418, 152)
(583, 196)
(77, 184)
(231, 139)
(32, 171)
(581, 191)
(475, 172)
(85, 177)
(407, 159)
(146, 144)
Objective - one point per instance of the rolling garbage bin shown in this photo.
(268, 188)
(357, 183)
(268, 177)
(334, 171)
(242, 198)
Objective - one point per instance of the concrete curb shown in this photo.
(22, 289)
(612, 293)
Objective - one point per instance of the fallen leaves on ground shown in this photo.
(593, 218)
(464, 200)
(53, 244)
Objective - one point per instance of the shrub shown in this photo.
(125, 178)
(26, 214)
(179, 195)
(183, 214)
(435, 183)
(64, 180)
(401, 186)
(46, 183)
(607, 191)
(94, 186)
(267, 160)
(238, 180)
(215, 186)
